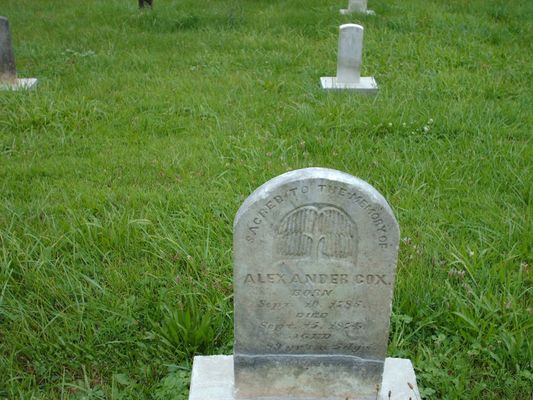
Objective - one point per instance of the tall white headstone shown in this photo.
(314, 266)
(349, 59)
(357, 6)
(8, 70)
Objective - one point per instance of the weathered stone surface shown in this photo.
(8, 70)
(349, 59)
(212, 379)
(314, 265)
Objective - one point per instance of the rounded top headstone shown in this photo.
(314, 266)
(266, 189)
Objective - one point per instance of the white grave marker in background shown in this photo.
(349, 61)
(357, 6)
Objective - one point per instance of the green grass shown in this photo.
(121, 174)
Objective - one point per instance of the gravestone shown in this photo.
(314, 265)
(8, 70)
(349, 59)
(357, 6)
(142, 3)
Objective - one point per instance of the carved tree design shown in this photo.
(317, 232)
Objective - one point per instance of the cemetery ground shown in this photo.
(121, 173)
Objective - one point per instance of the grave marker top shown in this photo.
(314, 265)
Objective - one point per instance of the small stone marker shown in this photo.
(314, 264)
(143, 2)
(349, 61)
(8, 70)
(357, 6)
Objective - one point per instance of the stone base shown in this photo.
(345, 11)
(367, 84)
(20, 84)
(212, 379)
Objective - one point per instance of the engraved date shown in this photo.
(271, 305)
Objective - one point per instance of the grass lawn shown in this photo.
(121, 174)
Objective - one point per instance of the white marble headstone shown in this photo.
(349, 60)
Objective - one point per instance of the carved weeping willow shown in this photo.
(317, 232)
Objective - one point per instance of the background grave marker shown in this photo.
(349, 59)
(8, 70)
(357, 6)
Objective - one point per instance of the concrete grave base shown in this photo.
(367, 84)
(20, 84)
(345, 11)
(212, 379)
